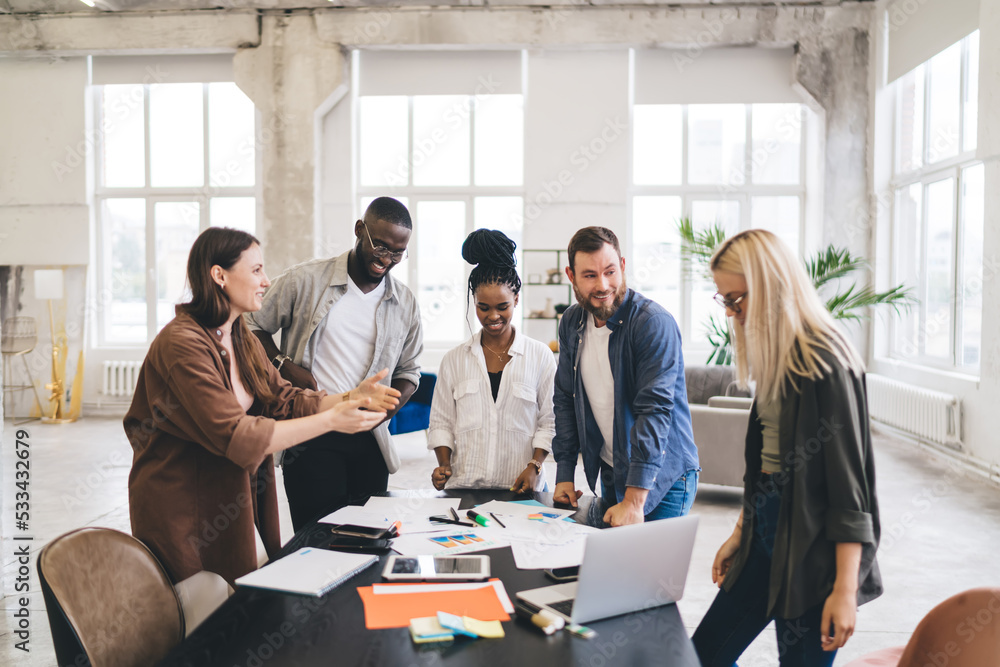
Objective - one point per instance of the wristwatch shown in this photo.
(533, 462)
(280, 360)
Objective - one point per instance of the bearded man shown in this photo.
(620, 398)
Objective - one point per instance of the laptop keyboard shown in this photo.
(563, 606)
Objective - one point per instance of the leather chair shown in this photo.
(110, 602)
(962, 631)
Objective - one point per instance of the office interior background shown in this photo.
(132, 125)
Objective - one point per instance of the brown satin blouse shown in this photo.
(200, 480)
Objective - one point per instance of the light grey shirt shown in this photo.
(298, 302)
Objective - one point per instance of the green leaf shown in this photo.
(825, 267)
(832, 264)
(698, 247)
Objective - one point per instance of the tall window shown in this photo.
(172, 159)
(739, 165)
(938, 209)
(457, 162)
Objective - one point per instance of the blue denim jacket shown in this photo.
(653, 442)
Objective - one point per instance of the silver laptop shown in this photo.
(624, 569)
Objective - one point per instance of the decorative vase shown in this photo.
(549, 310)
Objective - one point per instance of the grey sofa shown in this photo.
(719, 414)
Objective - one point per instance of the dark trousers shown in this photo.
(331, 471)
(737, 616)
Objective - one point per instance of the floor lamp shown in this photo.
(49, 286)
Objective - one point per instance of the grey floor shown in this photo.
(941, 529)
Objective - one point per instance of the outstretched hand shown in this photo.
(354, 416)
(383, 397)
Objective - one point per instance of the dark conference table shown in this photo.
(257, 627)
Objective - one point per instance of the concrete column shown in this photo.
(832, 66)
(288, 76)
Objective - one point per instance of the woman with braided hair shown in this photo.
(491, 418)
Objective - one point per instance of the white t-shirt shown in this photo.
(346, 345)
(595, 369)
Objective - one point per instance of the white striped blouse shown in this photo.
(491, 442)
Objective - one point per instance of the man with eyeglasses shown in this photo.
(343, 319)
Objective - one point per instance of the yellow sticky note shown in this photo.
(425, 630)
(488, 629)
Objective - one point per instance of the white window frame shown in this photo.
(415, 194)
(741, 193)
(201, 194)
(953, 167)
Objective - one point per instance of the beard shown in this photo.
(605, 312)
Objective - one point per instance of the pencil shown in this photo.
(497, 520)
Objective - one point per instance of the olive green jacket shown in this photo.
(828, 470)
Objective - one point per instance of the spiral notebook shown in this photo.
(308, 571)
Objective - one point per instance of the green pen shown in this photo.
(478, 518)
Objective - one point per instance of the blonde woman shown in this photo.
(803, 550)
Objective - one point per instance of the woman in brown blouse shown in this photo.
(208, 412)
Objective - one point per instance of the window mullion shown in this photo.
(151, 286)
(473, 101)
(147, 138)
(409, 145)
(150, 223)
(206, 142)
(958, 234)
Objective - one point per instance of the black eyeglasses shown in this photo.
(380, 251)
(731, 304)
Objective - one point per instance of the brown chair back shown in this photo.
(962, 631)
(109, 599)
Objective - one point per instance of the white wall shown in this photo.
(44, 217)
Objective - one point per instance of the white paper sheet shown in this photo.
(502, 509)
(389, 589)
(542, 556)
(381, 512)
(423, 545)
(411, 507)
(358, 516)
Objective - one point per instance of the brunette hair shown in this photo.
(591, 239)
(209, 304)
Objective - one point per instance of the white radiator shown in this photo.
(120, 377)
(930, 415)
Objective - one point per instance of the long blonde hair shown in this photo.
(787, 324)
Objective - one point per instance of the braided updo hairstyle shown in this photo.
(492, 253)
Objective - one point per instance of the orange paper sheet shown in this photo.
(395, 611)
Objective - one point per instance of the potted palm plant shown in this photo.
(828, 269)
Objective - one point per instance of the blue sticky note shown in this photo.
(533, 503)
(454, 623)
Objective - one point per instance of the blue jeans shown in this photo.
(677, 502)
(736, 617)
